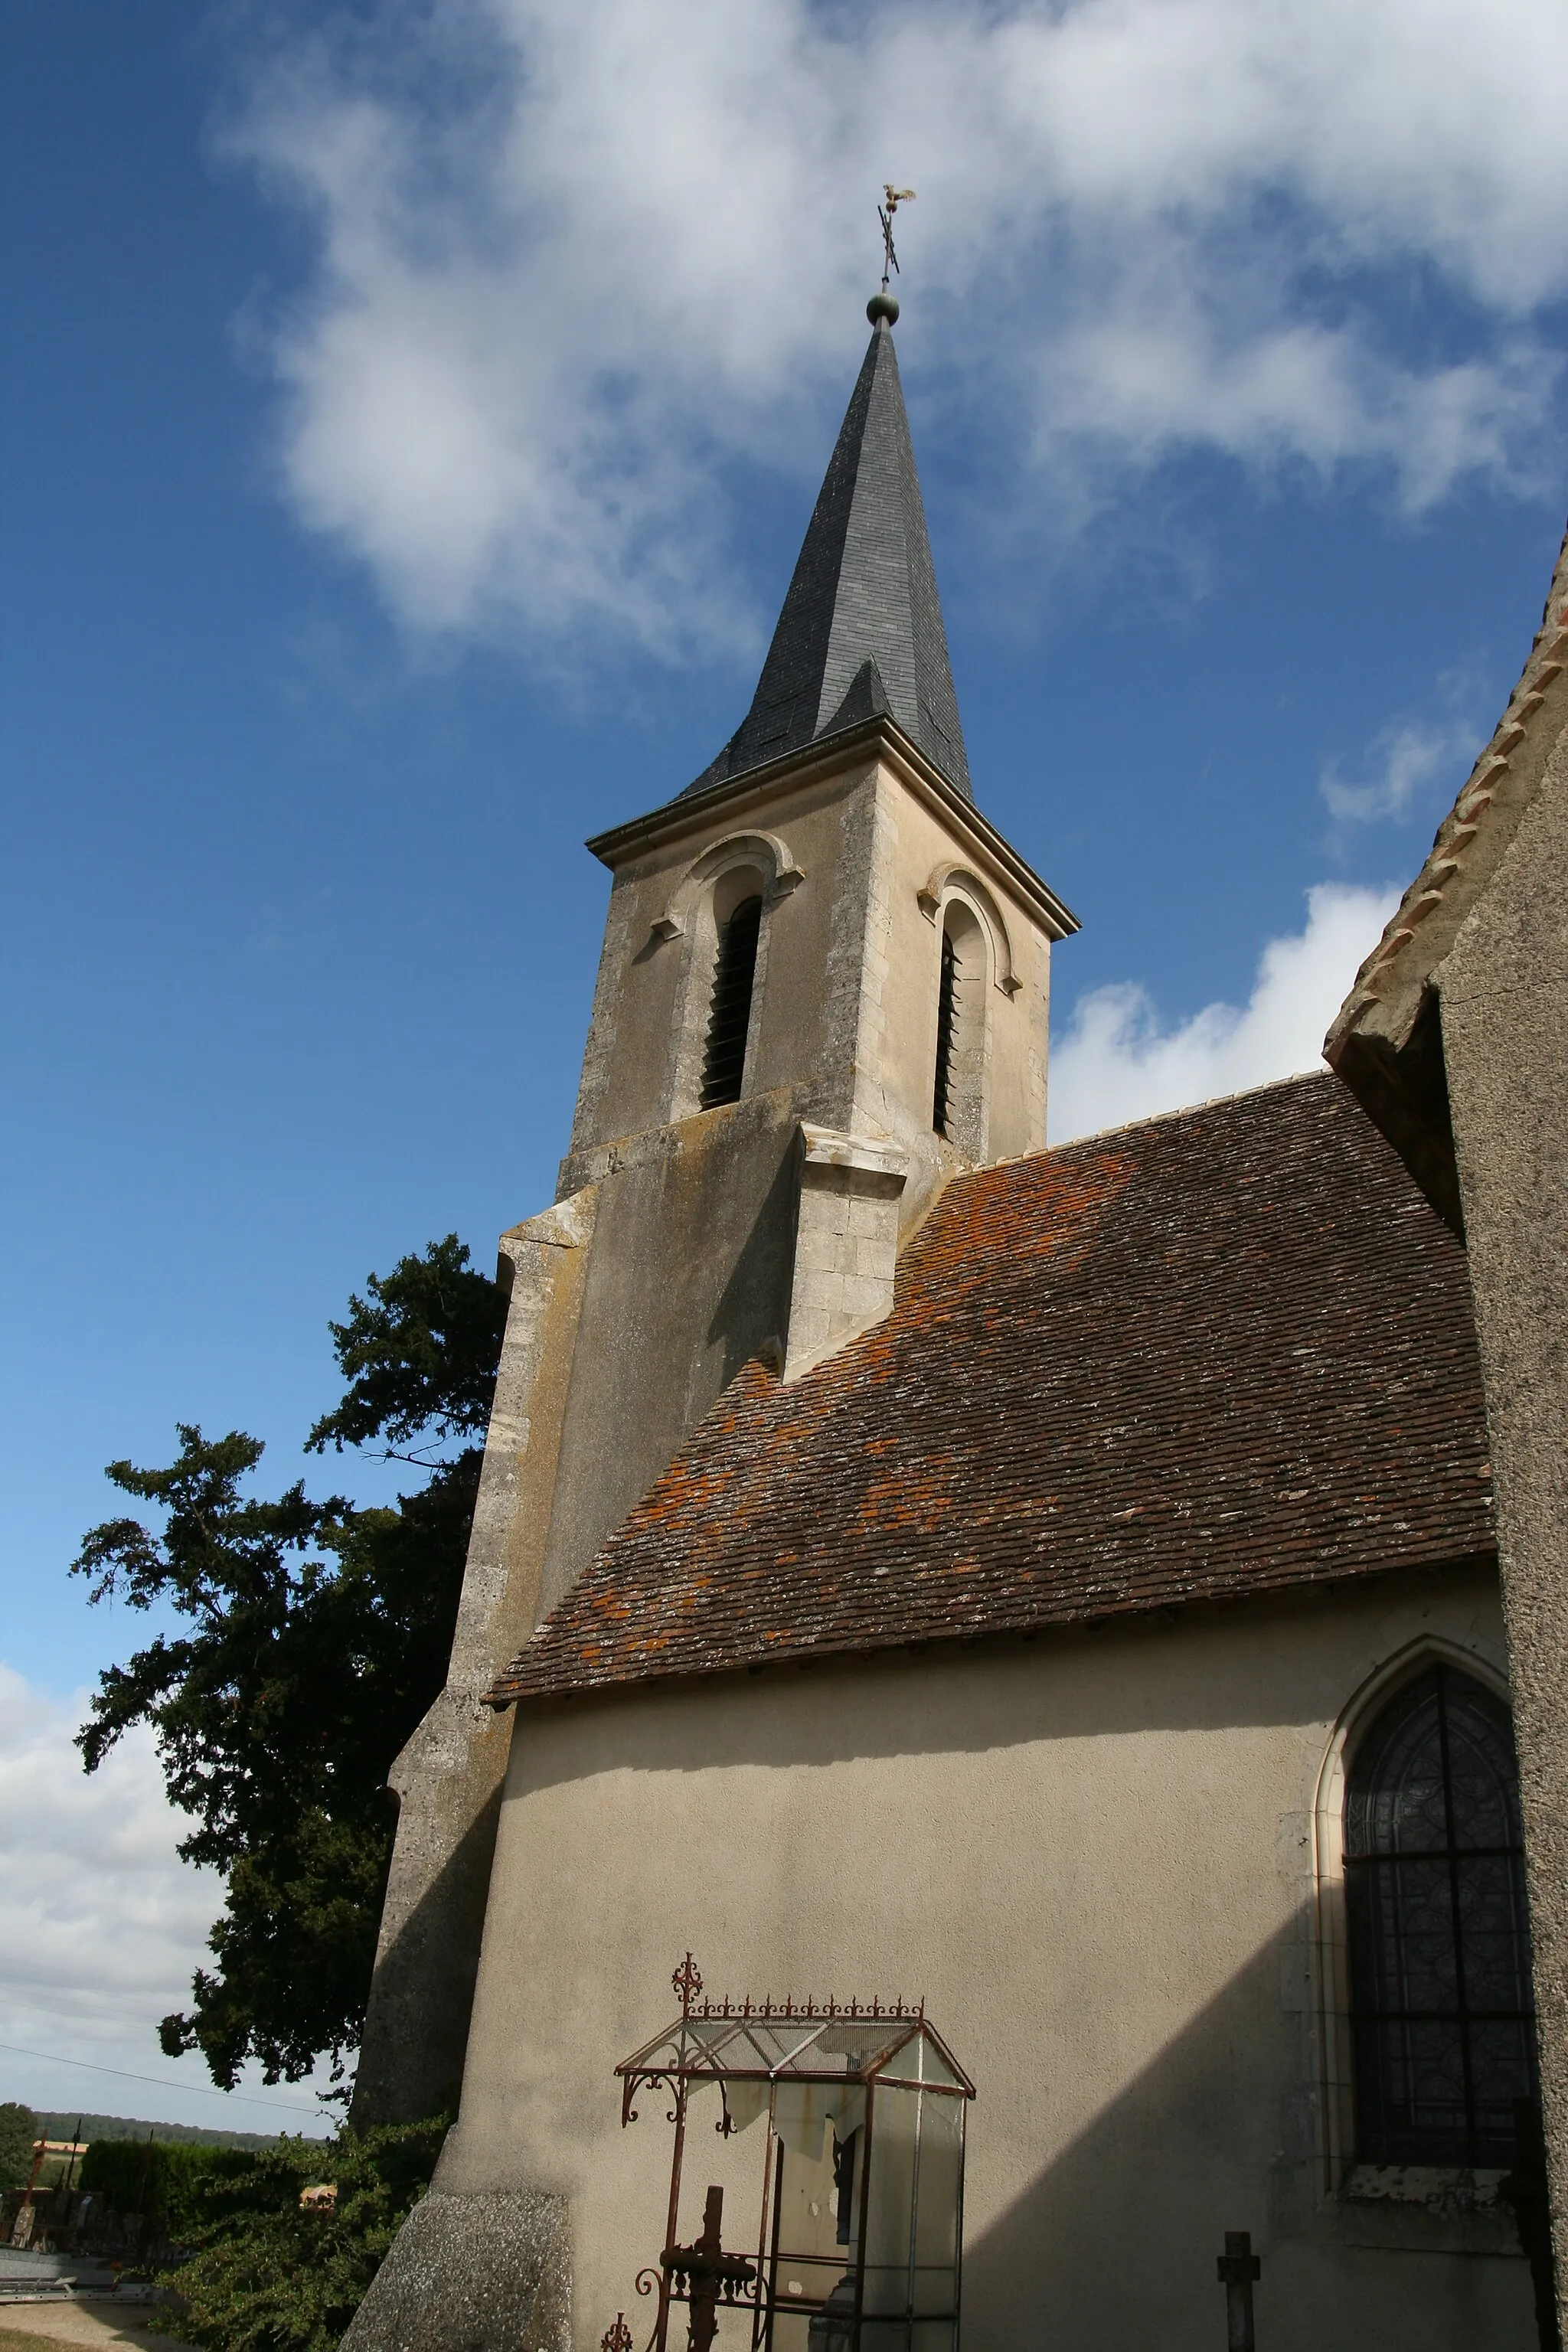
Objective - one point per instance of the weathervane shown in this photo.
(895, 196)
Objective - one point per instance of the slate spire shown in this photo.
(861, 632)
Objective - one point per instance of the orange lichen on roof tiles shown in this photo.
(1228, 1352)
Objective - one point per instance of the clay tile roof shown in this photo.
(1216, 1354)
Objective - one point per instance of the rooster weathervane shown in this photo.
(895, 197)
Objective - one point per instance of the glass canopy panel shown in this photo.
(922, 2059)
(905, 2048)
(810, 2272)
(909, 2297)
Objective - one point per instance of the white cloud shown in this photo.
(101, 1927)
(572, 258)
(1116, 1063)
(1400, 759)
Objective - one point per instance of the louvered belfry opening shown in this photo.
(725, 1061)
(946, 1030)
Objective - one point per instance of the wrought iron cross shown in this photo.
(1238, 2267)
(708, 2272)
(895, 197)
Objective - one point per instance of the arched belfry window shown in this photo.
(946, 1023)
(958, 1080)
(729, 1012)
(1440, 1954)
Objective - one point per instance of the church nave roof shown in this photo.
(1220, 1353)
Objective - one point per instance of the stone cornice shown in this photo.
(882, 739)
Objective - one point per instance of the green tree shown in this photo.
(419, 1354)
(18, 2130)
(269, 2275)
(313, 1636)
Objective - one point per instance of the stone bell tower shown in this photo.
(824, 988)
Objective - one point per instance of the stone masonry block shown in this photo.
(864, 1299)
(816, 1250)
(845, 1241)
(876, 1257)
(816, 1327)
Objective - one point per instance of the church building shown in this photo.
(976, 1798)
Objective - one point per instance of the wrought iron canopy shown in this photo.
(860, 2221)
(763, 2041)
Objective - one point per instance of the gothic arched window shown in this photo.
(729, 1014)
(1439, 1948)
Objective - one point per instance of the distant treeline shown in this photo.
(101, 2128)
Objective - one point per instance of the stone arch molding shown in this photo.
(768, 852)
(690, 916)
(1336, 2106)
(950, 881)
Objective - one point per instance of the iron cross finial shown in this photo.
(687, 1982)
(895, 197)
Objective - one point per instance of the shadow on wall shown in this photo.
(425, 1989)
(1207, 1667)
(688, 1278)
(1114, 2243)
(753, 1306)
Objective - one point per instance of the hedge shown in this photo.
(267, 2274)
(163, 2181)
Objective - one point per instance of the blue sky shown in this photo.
(411, 414)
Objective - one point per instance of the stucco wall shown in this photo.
(1092, 1854)
(1504, 999)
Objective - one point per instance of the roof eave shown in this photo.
(879, 736)
(517, 1689)
(1386, 1039)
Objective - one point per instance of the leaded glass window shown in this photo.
(1439, 1949)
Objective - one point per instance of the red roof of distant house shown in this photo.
(1212, 1355)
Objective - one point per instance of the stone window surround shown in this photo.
(952, 881)
(692, 916)
(1437, 2193)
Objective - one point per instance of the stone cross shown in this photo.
(1238, 2267)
